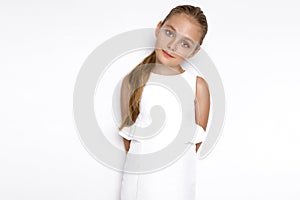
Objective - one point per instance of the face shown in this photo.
(177, 39)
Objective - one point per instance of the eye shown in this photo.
(185, 44)
(169, 33)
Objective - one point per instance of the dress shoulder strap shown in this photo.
(191, 77)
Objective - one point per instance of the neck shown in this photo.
(167, 70)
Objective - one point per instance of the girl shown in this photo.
(178, 37)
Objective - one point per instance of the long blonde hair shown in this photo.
(138, 77)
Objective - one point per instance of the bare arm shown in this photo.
(124, 100)
(202, 105)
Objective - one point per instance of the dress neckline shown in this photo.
(169, 75)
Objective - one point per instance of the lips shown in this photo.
(167, 55)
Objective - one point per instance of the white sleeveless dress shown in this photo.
(178, 180)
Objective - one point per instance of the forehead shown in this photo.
(185, 25)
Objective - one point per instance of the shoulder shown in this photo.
(125, 80)
(201, 83)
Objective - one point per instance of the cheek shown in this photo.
(179, 59)
(161, 43)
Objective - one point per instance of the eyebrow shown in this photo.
(176, 31)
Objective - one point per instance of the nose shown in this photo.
(172, 45)
(171, 48)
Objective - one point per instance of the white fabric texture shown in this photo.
(176, 182)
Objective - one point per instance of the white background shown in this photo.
(254, 44)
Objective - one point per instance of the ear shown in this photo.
(195, 51)
(157, 28)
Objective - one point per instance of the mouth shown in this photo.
(167, 55)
